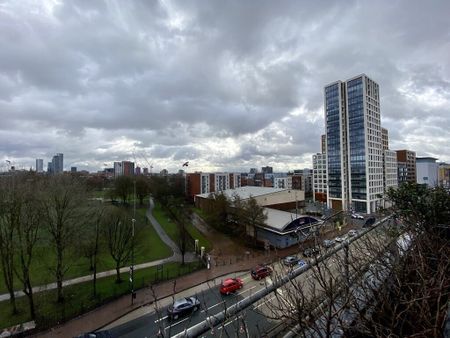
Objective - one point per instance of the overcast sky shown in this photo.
(225, 85)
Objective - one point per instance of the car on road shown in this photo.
(357, 216)
(96, 334)
(309, 252)
(301, 263)
(230, 285)
(352, 233)
(339, 239)
(261, 271)
(328, 243)
(290, 260)
(369, 222)
(182, 307)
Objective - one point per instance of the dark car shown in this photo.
(369, 222)
(261, 271)
(182, 307)
(311, 252)
(230, 285)
(328, 243)
(290, 260)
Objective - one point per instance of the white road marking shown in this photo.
(246, 290)
(213, 306)
(228, 323)
(264, 302)
(158, 320)
(174, 324)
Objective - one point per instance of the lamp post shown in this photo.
(132, 261)
(133, 221)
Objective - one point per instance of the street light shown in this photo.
(133, 221)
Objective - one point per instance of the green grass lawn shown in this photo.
(171, 228)
(149, 247)
(164, 220)
(196, 234)
(79, 298)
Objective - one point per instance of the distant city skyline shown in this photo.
(224, 85)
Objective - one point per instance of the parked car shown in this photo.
(290, 260)
(311, 252)
(328, 243)
(182, 307)
(352, 233)
(357, 216)
(230, 285)
(261, 271)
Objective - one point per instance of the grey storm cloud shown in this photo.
(227, 85)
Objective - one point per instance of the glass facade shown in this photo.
(356, 132)
(332, 109)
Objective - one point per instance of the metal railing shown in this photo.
(217, 319)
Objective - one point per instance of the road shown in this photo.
(153, 320)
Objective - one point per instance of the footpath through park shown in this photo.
(176, 257)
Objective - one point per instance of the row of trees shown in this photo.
(36, 212)
(236, 216)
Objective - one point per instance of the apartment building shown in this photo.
(354, 144)
(406, 161)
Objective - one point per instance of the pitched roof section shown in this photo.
(247, 192)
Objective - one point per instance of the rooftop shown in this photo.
(246, 192)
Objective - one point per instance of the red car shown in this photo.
(261, 271)
(230, 285)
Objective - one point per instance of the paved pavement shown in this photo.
(109, 312)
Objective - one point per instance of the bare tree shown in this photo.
(27, 230)
(254, 216)
(9, 217)
(123, 187)
(62, 204)
(119, 237)
(91, 240)
(142, 188)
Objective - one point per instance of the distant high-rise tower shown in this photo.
(58, 163)
(127, 168)
(354, 147)
(267, 170)
(118, 169)
(39, 165)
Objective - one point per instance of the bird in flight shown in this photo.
(185, 164)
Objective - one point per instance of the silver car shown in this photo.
(182, 307)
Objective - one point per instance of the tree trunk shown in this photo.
(28, 290)
(118, 279)
(95, 280)
(12, 301)
(9, 285)
(59, 276)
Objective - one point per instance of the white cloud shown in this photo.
(226, 85)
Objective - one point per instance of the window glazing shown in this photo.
(332, 99)
(355, 109)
